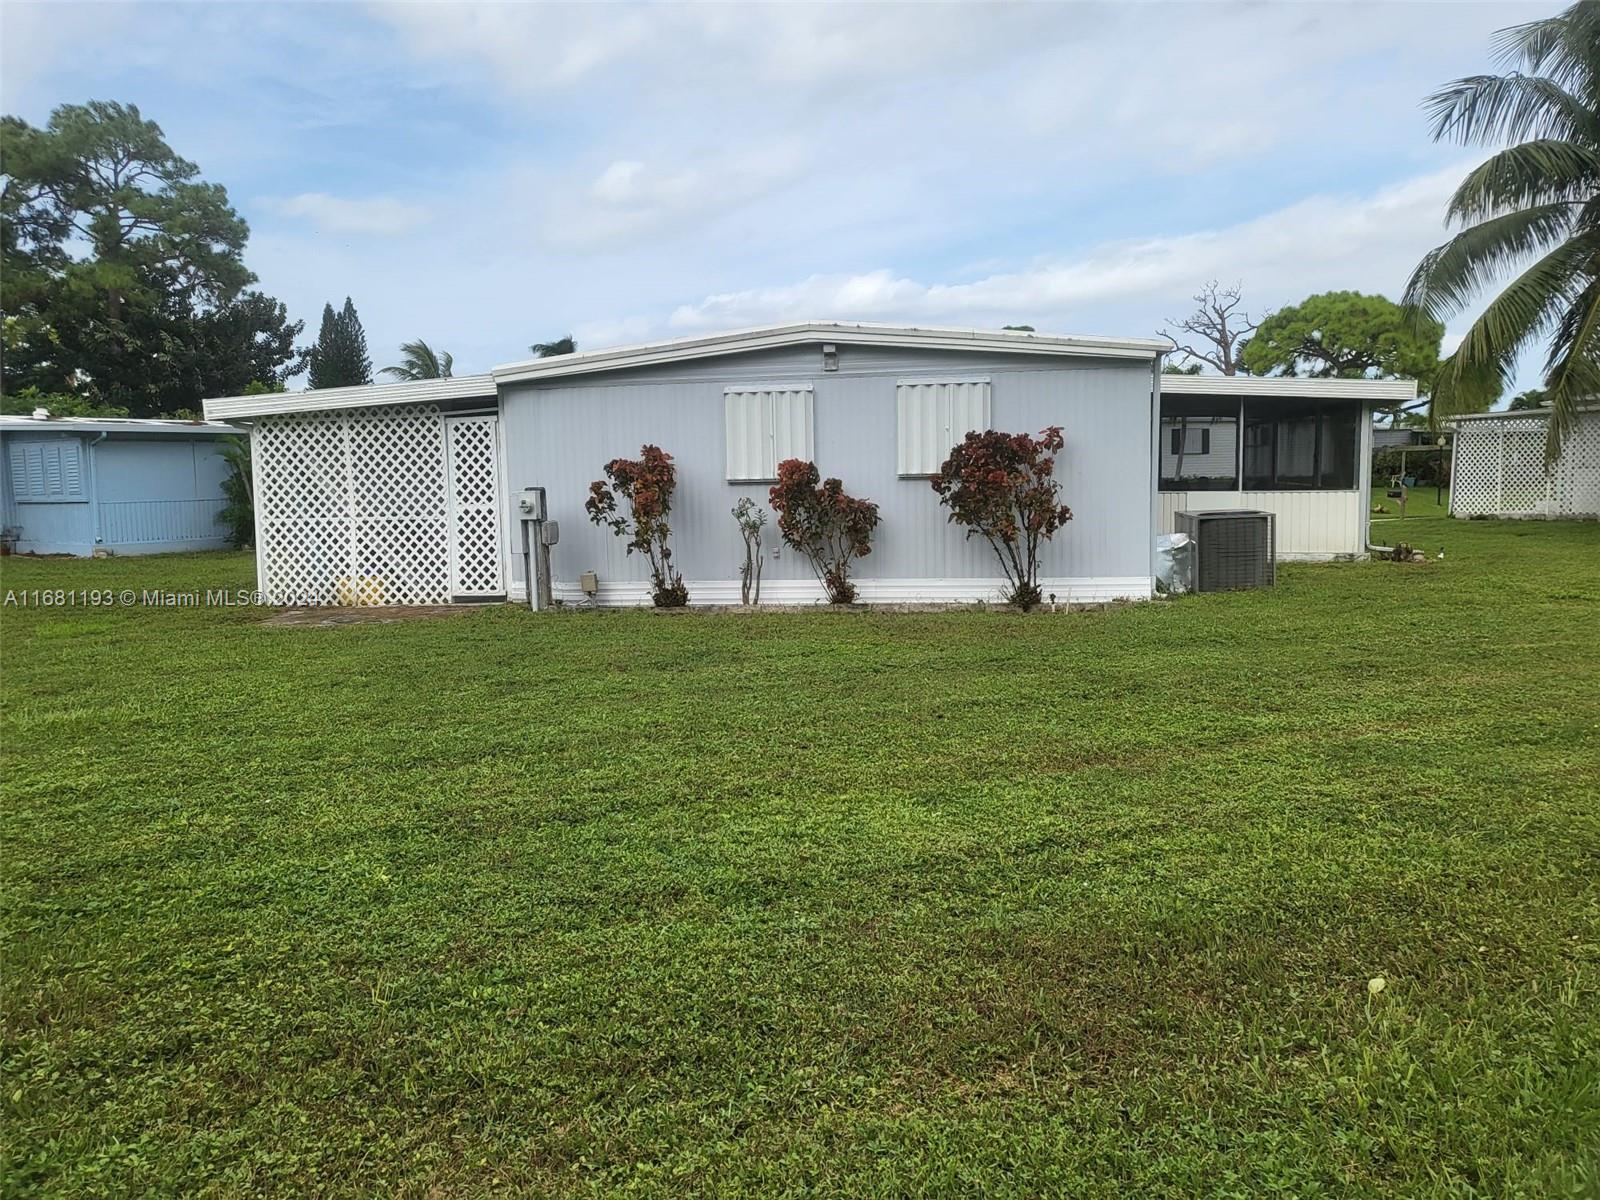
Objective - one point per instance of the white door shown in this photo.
(472, 505)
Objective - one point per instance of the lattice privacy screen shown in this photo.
(474, 507)
(1500, 469)
(356, 508)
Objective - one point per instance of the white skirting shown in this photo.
(1089, 590)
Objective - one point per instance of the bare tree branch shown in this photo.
(1218, 321)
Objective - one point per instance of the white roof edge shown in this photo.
(26, 424)
(1285, 385)
(1517, 414)
(765, 337)
(420, 391)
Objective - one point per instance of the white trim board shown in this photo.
(372, 395)
(1289, 387)
(636, 593)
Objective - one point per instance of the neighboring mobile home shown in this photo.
(77, 485)
(409, 493)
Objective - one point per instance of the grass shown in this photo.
(1422, 503)
(843, 904)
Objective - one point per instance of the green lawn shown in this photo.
(951, 904)
(1422, 503)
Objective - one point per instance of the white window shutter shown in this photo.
(764, 426)
(933, 416)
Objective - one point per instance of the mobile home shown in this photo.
(412, 492)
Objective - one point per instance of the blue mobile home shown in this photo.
(78, 485)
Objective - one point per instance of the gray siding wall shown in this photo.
(559, 436)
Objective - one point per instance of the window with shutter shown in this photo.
(933, 416)
(764, 426)
(47, 472)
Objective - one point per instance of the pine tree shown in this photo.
(339, 359)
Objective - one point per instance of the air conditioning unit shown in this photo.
(1233, 548)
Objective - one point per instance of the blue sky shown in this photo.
(488, 176)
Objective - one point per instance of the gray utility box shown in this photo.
(1233, 548)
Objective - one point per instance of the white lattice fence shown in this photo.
(474, 508)
(1576, 477)
(351, 507)
(1499, 467)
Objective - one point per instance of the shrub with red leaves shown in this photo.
(824, 523)
(646, 487)
(1002, 486)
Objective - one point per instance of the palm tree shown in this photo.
(418, 361)
(1534, 205)
(562, 345)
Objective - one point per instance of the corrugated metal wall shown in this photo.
(559, 435)
(1310, 524)
(157, 494)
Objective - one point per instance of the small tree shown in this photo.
(1002, 486)
(238, 513)
(339, 358)
(824, 523)
(752, 518)
(646, 486)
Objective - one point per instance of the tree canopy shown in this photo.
(124, 272)
(1345, 335)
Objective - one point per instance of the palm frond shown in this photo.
(1543, 171)
(1561, 48)
(1527, 308)
(1449, 276)
(1482, 109)
(1573, 371)
(419, 361)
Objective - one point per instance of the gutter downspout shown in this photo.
(94, 487)
(1155, 468)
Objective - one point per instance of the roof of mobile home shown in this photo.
(739, 341)
(128, 425)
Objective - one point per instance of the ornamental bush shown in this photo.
(645, 486)
(752, 519)
(824, 523)
(1002, 487)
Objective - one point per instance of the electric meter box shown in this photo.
(531, 504)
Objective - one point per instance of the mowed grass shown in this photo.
(839, 904)
(1422, 503)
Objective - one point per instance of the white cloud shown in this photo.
(630, 199)
(378, 216)
(1367, 243)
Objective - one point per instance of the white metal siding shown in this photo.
(560, 436)
(934, 416)
(1310, 524)
(763, 427)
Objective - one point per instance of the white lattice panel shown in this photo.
(1576, 479)
(351, 507)
(1499, 467)
(474, 506)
